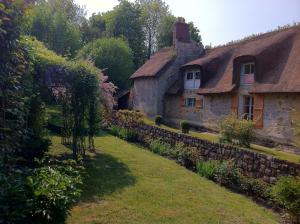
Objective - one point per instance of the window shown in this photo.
(248, 107)
(192, 80)
(247, 73)
(190, 102)
(190, 76)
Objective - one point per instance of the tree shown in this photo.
(93, 28)
(57, 23)
(195, 33)
(165, 36)
(112, 55)
(125, 21)
(153, 12)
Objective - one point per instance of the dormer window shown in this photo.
(192, 79)
(247, 73)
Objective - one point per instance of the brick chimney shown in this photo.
(181, 31)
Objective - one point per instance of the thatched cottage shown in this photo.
(258, 79)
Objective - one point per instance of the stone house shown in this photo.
(257, 78)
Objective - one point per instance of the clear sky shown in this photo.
(221, 21)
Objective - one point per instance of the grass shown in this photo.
(126, 184)
(215, 138)
(54, 115)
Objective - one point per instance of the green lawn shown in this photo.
(215, 138)
(126, 184)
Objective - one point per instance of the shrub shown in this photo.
(128, 135)
(41, 195)
(183, 154)
(129, 118)
(158, 120)
(233, 128)
(227, 174)
(160, 148)
(185, 127)
(114, 130)
(207, 169)
(255, 187)
(223, 173)
(287, 193)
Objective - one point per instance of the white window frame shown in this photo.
(244, 71)
(248, 114)
(191, 100)
(195, 82)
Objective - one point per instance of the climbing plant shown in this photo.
(79, 87)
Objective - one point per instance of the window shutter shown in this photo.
(199, 103)
(258, 110)
(182, 101)
(234, 104)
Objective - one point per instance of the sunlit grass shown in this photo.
(126, 184)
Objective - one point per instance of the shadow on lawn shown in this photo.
(105, 175)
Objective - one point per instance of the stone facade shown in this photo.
(149, 92)
(253, 164)
(214, 109)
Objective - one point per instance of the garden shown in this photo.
(65, 159)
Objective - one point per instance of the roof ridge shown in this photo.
(256, 36)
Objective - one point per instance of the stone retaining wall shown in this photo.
(253, 164)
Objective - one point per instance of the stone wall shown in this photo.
(253, 164)
(215, 108)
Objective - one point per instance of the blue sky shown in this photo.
(221, 21)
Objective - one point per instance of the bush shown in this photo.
(183, 155)
(287, 193)
(158, 120)
(227, 174)
(185, 127)
(223, 173)
(114, 130)
(161, 148)
(40, 195)
(207, 169)
(237, 129)
(129, 118)
(255, 187)
(128, 135)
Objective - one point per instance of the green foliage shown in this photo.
(207, 169)
(237, 129)
(40, 195)
(185, 127)
(128, 135)
(158, 120)
(223, 173)
(125, 21)
(183, 154)
(160, 148)
(287, 193)
(124, 133)
(57, 24)
(112, 54)
(165, 35)
(255, 187)
(115, 130)
(227, 174)
(195, 33)
(79, 94)
(153, 12)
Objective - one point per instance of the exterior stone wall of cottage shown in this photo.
(149, 92)
(215, 108)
